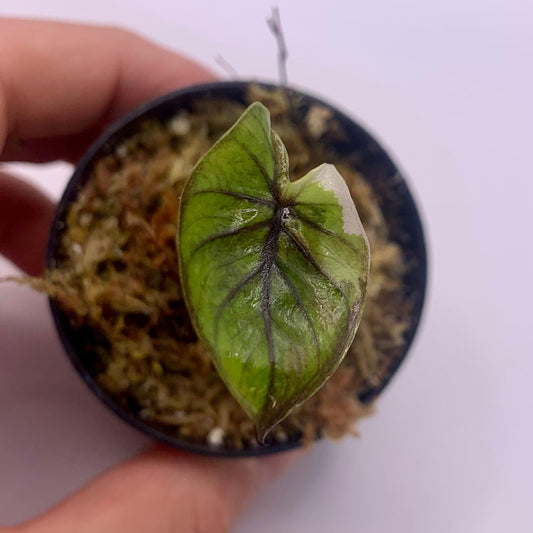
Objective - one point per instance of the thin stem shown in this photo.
(227, 67)
(274, 23)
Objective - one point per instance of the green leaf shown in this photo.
(274, 273)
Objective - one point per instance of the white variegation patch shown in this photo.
(329, 179)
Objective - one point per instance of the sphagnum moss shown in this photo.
(117, 278)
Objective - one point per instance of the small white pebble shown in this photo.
(281, 436)
(76, 248)
(121, 151)
(216, 437)
(180, 125)
(317, 120)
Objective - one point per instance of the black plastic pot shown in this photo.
(362, 152)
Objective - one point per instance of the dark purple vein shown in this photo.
(233, 292)
(266, 133)
(321, 229)
(292, 288)
(237, 195)
(257, 162)
(230, 233)
(309, 256)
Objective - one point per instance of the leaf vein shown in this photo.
(229, 233)
(266, 133)
(300, 303)
(233, 292)
(257, 162)
(309, 256)
(326, 231)
(238, 195)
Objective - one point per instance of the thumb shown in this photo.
(164, 490)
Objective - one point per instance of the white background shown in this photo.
(447, 86)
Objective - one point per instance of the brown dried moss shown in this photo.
(118, 276)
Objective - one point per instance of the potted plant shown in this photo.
(119, 301)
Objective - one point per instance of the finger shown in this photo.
(164, 490)
(25, 218)
(64, 82)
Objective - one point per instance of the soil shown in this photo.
(118, 281)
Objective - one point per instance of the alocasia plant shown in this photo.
(274, 272)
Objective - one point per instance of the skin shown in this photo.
(60, 84)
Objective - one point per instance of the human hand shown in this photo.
(60, 85)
